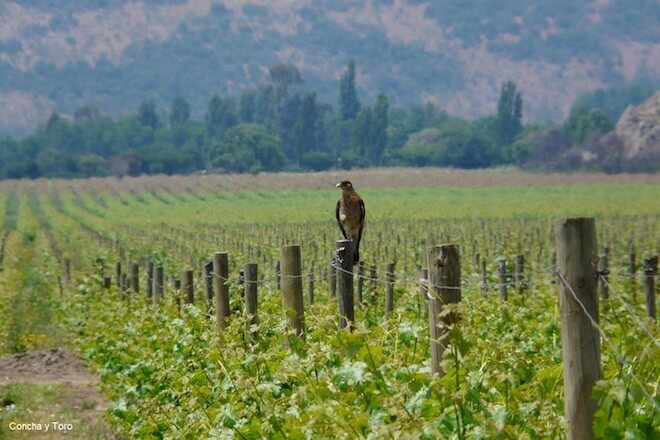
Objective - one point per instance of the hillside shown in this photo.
(114, 53)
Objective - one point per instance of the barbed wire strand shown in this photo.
(620, 358)
(628, 308)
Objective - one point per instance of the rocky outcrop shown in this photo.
(639, 129)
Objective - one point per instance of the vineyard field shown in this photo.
(169, 370)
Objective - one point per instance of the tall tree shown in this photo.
(362, 135)
(248, 106)
(147, 114)
(379, 134)
(286, 80)
(180, 111)
(348, 99)
(306, 129)
(509, 113)
(219, 117)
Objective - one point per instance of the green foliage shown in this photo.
(348, 100)
(613, 102)
(582, 124)
(248, 148)
(180, 111)
(509, 113)
(147, 114)
(220, 116)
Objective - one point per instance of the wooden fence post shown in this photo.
(344, 261)
(250, 274)
(107, 282)
(389, 289)
(501, 271)
(518, 273)
(333, 276)
(221, 288)
(150, 280)
(278, 273)
(576, 267)
(484, 277)
(444, 266)
(208, 288)
(292, 292)
(135, 277)
(187, 286)
(159, 284)
(310, 284)
(373, 274)
(603, 271)
(650, 271)
(67, 270)
(633, 269)
(360, 281)
(118, 273)
(423, 292)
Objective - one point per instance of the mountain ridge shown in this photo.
(115, 53)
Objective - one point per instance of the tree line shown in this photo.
(282, 125)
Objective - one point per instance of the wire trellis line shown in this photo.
(619, 357)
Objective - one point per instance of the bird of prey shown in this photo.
(350, 214)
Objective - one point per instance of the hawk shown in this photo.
(350, 214)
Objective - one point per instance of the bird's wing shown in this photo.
(341, 227)
(363, 213)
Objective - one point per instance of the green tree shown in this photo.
(248, 107)
(348, 100)
(147, 114)
(582, 124)
(248, 147)
(509, 113)
(180, 112)
(379, 131)
(362, 134)
(220, 117)
(306, 129)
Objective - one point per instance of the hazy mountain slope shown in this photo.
(57, 55)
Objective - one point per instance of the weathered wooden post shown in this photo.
(604, 271)
(135, 277)
(423, 292)
(650, 272)
(576, 262)
(444, 266)
(221, 288)
(518, 273)
(310, 284)
(389, 289)
(159, 284)
(360, 281)
(187, 286)
(150, 280)
(107, 282)
(633, 269)
(291, 265)
(278, 272)
(208, 288)
(67, 270)
(118, 273)
(250, 274)
(373, 274)
(333, 276)
(501, 271)
(484, 277)
(344, 261)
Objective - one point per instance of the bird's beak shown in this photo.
(338, 185)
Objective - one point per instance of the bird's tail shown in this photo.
(356, 255)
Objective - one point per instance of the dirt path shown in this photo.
(50, 395)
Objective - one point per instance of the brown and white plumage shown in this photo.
(350, 213)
